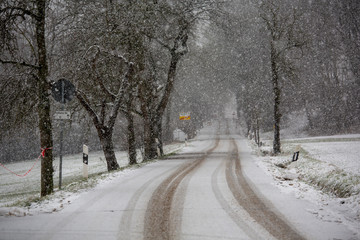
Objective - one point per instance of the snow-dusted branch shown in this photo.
(85, 103)
(101, 50)
(110, 53)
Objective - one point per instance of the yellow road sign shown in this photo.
(184, 117)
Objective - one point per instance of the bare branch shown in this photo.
(19, 63)
(22, 13)
(85, 103)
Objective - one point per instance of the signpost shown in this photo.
(62, 115)
(63, 91)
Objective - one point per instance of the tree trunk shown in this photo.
(149, 139)
(45, 128)
(104, 132)
(105, 137)
(308, 116)
(170, 83)
(151, 126)
(277, 118)
(147, 111)
(159, 135)
(131, 132)
(175, 57)
(257, 132)
(248, 127)
(277, 96)
(47, 185)
(168, 134)
(131, 140)
(150, 114)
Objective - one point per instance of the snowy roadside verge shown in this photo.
(327, 173)
(20, 196)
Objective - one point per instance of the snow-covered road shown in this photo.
(210, 190)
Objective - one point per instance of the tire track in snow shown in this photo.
(126, 219)
(236, 214)
(257, 209)
(159, 217)
(68, 220)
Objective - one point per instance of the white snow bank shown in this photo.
(327, 173)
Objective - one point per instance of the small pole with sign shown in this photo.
(85, 161)
(61, 132)
(63, 91)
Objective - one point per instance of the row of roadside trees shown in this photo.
(289, 61)
(278, 58)
(295, 59)
(122, 56)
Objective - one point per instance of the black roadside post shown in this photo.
(295, 156)
(85, 161)
(63, 91)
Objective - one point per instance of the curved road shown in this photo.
(196, 194)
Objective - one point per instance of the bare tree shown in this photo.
(105, 78)
(154, 98)
(285, 37)
(170, 35)
(16, 16)
(111, 101)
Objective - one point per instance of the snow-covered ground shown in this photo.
(15, 190)
(342, 154)
(327, 175)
